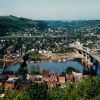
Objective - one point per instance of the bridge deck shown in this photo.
(94, 56)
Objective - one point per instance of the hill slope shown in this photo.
(14, 24)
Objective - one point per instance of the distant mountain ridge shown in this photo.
(75, 23)
(15, 24)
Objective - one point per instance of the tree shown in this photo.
(57, 94)
(37, 91)
(23, 96)
(23, 70)
(10, 95)
(34, 70)
(63, 73)
(18, 45)
(1, 88)
(16, 95)
(69, 70)
(86, 89)
(43, 71)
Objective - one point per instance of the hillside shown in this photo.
(14, 24)
(10, 24)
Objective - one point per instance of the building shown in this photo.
(9, 85)
(51, 84)
(51, 77)
(62, 79)
(70, 78)
(32, 78)
(25, 83)
(77, 76)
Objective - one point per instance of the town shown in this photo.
(47, 41)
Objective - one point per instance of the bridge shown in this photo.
(15, 61)
(88, 52)
(88, 56)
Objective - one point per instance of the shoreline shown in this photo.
(55, 57)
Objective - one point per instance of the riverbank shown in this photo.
(55, 57)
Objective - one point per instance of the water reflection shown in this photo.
(52, 66)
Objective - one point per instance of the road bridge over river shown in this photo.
(87, 54)
(15, 61)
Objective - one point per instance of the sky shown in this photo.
(52, 9)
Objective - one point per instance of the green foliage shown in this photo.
(68, 70)
(23, 70)
(10, 95)
(18, 81)
(37, 70)
(86, 89)
(35, 56)
(17, 45)
(43, 71)
(1, 88)
(15, 24)
(23, 96)
(57, 94)
(34, 70)
(37, 91)
(41, 25)
(16, 95)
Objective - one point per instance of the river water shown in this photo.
(58, 67)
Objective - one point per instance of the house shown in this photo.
(9, 85)
(22, 87)
(50, 77)
(51, 84)
(25, 83)
(62, 79)
(77, 75)
(12, 79)
(31, 78)
(53, 76)
(38, 77)
(70, 78)
(46, 78)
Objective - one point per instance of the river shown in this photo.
(58, 67)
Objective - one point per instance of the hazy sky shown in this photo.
(52, 9)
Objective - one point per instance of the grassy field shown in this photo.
(35, 55)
